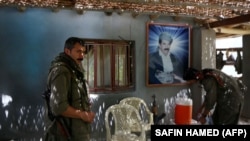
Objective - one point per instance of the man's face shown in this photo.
(165, 46)
(77, 53)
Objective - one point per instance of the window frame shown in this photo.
(96, 44)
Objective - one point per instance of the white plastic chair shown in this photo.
(146, 116)
(118, 121)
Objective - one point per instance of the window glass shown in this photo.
(109, 65)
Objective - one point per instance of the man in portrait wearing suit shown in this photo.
(164, 66)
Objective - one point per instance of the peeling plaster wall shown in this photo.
(208, 49)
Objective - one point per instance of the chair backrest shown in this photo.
(121, 117)
(145, 114)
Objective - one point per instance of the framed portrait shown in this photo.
(168, 54)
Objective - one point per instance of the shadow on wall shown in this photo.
(25, 122)
(20, 122)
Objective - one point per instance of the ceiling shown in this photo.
(227, 17)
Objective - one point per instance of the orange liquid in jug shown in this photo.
(183, 114)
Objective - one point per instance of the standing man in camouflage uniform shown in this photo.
(69, 100)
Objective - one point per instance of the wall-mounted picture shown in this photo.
(168, 54)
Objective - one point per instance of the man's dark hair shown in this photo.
(70, 42)
(190, 74)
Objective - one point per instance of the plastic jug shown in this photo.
(183, 111)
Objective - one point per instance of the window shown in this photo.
(229, 55)
(229, 60)
(109, 65)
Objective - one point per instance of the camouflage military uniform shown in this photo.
(68, 87)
